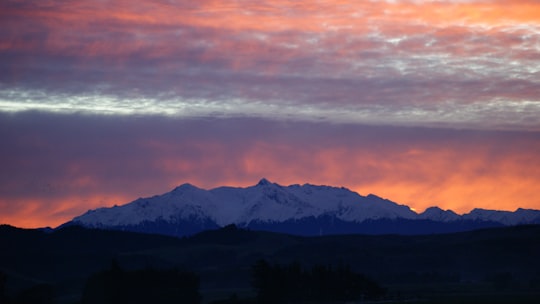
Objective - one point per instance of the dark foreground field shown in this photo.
(500, 265)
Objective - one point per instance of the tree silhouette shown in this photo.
(142, 286)
(292, 284)
(37, 294)
(3, 279)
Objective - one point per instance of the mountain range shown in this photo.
(296, 209)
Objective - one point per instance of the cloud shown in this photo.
(471, 64)
(424, 102)
(56, 166)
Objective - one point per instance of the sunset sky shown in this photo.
(426, 103)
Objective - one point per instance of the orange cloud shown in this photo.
(450, 177)
(148, 18)
(48, 212)
(374, 57)
(457, 177)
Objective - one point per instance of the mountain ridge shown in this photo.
(296, 209)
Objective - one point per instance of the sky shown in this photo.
(426, 103)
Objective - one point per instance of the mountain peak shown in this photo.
(264, 182)
(437, 214)
(184, 186)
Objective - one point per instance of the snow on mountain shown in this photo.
(184, 202)
(520, 216)
(439, 215)
(267, 204)
(264, 202)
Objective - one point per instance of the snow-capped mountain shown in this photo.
(297, 209)
(518, 217)
(439, 215)
(264, 202)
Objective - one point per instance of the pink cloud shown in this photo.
(320, 72)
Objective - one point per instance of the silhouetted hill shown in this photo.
(488, 260)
